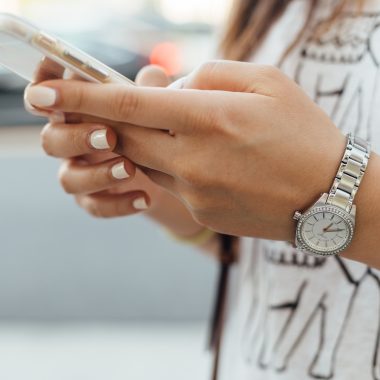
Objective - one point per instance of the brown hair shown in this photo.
(251, 20)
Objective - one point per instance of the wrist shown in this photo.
(327, 228)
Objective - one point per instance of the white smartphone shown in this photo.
(32, 54)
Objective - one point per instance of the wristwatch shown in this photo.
(328, 226)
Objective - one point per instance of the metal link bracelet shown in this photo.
(350, 173)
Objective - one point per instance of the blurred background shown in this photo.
(89, 299)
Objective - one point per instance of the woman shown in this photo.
(240, 148)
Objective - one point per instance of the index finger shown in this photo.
(159, 108)
(47, 70)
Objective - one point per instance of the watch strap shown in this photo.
(350, 174)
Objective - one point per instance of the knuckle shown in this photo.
(78, 141)
(101, 209)
(216, 120)
(45, 139)
(77, 98)
(120, 209)
(151, 75)
(270, 72)
(93, 207)
(64, 178)
(213, 121)
(124, 103)
(207, 68)
(204, 72)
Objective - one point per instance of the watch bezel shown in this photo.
(303, 245)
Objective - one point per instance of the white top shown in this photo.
(292, 316)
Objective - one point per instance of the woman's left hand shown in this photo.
(247, 146)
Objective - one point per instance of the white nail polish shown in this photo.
(178, 84)
(140, 204)
(98, 139)
(34, 111)
(119, 172)
(41, 96)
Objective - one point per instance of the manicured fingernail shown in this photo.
(34, 111)
(140, 204)
(178, 84)
(41, 96)
(119, 171)
(58, 118)
(98, 139)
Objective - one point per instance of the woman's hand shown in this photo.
(103, 183)
(247, 146)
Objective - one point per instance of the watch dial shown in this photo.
(325, 231)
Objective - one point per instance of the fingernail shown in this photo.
(34, 111)
(58, 118)
(140, 204)
(178, 84)
(41, 96)
(119, 171)
(98, 139)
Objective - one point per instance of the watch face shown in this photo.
(325, 230)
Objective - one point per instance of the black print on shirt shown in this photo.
(305, 303)
(352, 44)
(302, 302)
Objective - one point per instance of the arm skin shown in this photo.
(247, 148)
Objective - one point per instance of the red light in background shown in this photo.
(168, 56)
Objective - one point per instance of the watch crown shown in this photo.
(297, 215)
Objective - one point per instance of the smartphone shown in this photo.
(34, 54)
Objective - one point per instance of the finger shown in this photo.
(48, 70)
(153, 76)
(96, 158)
(73, 140)
(140, 181)
(77, 178)
(33, 110)
(161, 179)
(71, 75)
(147, 147)
(235, 77)
(54, 116)
(111, 206)
(144, 106)
(76, 118)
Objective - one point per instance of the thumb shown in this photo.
(152, 76)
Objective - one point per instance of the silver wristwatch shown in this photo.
(327, 227)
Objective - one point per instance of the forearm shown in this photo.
(365, 246)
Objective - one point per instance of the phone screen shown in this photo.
(19, 57)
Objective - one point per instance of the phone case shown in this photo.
(35, 55)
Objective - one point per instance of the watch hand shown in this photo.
(334, 230)
(330, 225)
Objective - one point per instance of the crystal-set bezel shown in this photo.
(302, 244)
